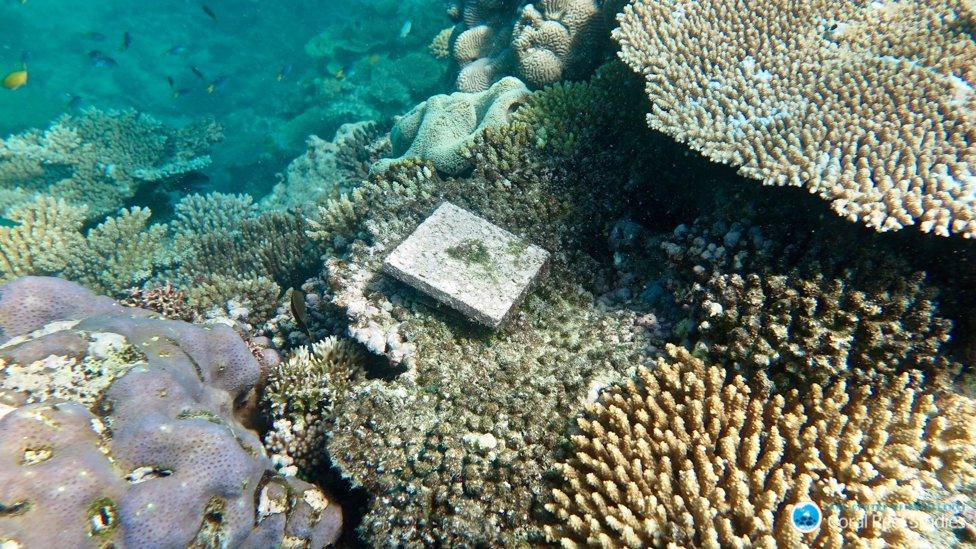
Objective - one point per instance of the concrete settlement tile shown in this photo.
(473, 266)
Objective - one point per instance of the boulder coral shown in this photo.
(869, 105)
(123, 431)
(440, 128)
(540, 43)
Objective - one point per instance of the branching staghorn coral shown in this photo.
(870, 105)
(690, 455)
(100, 159)
(119, 253)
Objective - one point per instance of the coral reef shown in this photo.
(128, 435)
(166, 300)
(100, 159)
(687, 454)
(330, 168)
(871, 108)
(452, 434)
(440, 128)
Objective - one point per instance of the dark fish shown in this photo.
(176, 50)
(99, 59)
(197, 72)
(299, 312)
(74, 102)
(284, 72)
(169, 80)
(193, 182)
(217, 84)
(96, 36)
(209, 12)
(126, 41)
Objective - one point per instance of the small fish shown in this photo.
(15, 79)
(169, 80)
(197, 72)
(99, 59)
(126, 41)
(217, 84)
(405, 29)
(299, 311)
(95, 36)
(284, 72)
(108, 170)
(74, 102)
(209, 12)
(176, 50)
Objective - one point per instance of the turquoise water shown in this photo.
(268, 92)
(487, 273)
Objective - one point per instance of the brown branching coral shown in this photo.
(761, 299)
(167, 300)
(298, 395)
(46, 237)
(870, 105)
(688, 455)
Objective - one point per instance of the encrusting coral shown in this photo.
(870, 105)
(126, 432)
(100, 159)
(689, 455)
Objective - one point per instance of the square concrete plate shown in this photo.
(471, 265)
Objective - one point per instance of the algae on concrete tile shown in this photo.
(473, 266)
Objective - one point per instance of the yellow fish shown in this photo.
(15, 79)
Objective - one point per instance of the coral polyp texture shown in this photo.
(870, 105)
(689, 455)
(123, 432)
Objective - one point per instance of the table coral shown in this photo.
(690, 455)
(100, 159)
(129, 437)
(869, 105)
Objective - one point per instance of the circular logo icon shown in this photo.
(806, 516)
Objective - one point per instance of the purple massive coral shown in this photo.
(119, 427)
